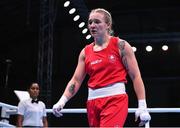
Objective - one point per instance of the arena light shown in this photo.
(66, 4)
(76, 18)
(88, 36)
(148, 48)
(72, 11)
(81, 24)
(134, 48)
(164, 47)
(84, 30)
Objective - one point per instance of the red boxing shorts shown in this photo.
(110, 111)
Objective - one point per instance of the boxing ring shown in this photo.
(8, 110)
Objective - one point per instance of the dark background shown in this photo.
(141, 23)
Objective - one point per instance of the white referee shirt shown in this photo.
(33, 113)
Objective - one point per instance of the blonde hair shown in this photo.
(107, 17)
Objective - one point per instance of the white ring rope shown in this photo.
(10, 110)
(13, 109)
(5, 125)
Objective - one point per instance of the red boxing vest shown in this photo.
(104, 67)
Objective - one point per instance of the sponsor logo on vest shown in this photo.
(96, 61)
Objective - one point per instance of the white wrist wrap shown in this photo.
(59, 106)
(142, 113)
(62, 100)
(142, 103)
